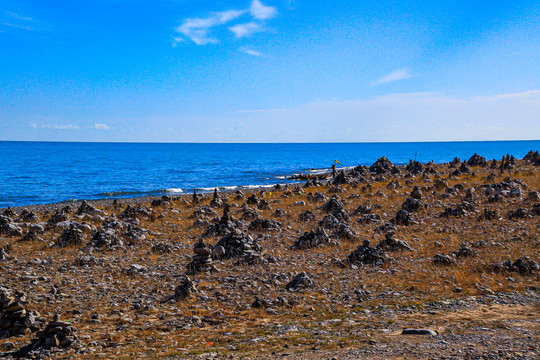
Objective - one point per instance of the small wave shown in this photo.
(174, 190)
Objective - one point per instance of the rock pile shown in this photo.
(265, 225)
(332, 205)
(237, 244)
(86, 208)
(389, 243)
(524, 266)
(459, 210)
(403, 217)
(71, 236)
(216, 201)
(381, 166)
(105, 239)
(300, 281)
(442, 259)
(477, 160)
(15, 319)
(8, 228)
(314, 238)
(185, 289)
(366, 254)
(202, 260)
(57, 334)
(412, 205)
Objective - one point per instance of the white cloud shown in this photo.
(399, 74)
(250, 51)
(55, 126)
(246, 29)
(262, 12)
(197, 29)
(99, 126)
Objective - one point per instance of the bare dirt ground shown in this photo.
(329, 269)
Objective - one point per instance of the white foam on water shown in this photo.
(174, 190)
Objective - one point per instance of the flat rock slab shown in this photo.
(419, 332)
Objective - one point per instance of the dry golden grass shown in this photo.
(229, 326)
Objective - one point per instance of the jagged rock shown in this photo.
(329, 222)
(9, 212)
(403, 217)
(440, 184)
(393, 185)
(161, 248)
(477, 160)
(412, 205)
(442, 259)
(15, 318)
(313, 238)
(416, 193)
(252, 200)
(366, 254)
(306, 216)
(533, 196)
(389, 243)
(332, 205)
(265, 225)
(336, 189)
(239, 245)
(105, 239)
(464, 168)
(185, 289)
(263, 205)
(369, 219)
(27, 216)
(204, 212)
(524, 266)
(280, 213)
(381, 166)
(536, 209)
(216, 201)
(249, 214)
(519, 213)
(135, 212)
(414, 167)
(300, 281)
(489, 215)
(4, 256)
(532, 157)
(459, 210)
(86, 208)
(455, 163)
(464, 251)
(343, 231)
(363, 209)
(317, 197)
(71, 236)
(57, 217)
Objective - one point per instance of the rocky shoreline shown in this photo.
(381, 261)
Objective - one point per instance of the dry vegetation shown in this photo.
(120, 298)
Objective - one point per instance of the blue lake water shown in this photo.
(48, 172)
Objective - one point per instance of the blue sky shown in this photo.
(269, 70)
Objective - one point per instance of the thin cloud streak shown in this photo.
(250, 52)
(397, 75)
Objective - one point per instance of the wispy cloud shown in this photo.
(250, 51)
(246, 29)
(17, 21)
(99, 126)
(55, 126)
(262, 12)
(197, 29)
(18, 17)
(397, 75)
